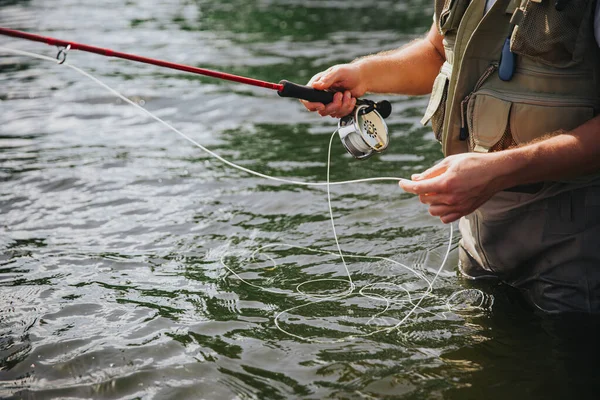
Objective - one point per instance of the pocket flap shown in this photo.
(438, 92)
(490, 119)
(450, 13)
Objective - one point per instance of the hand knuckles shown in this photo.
(444, 187)
(453, 199)
(450, 185)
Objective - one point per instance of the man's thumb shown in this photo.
(324, 82)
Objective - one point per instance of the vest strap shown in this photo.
(517, 16)
(512, 6)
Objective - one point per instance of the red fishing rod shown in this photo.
(283, 88)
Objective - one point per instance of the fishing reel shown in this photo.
(364, 132)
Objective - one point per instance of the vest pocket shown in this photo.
(498, 120)
(436, 109)
(530, 121)
(555, 38)
(487, 119)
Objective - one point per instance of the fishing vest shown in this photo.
(555, 86)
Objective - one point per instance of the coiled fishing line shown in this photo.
(316, 298)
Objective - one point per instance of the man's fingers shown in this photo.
(333, 107)
(311, 106)
(342, 105)
(433, 185)
(434, 198)
(316, 83)
(446, 219)
(446, 213)
(320, 85)
(348, 104)
(438, 210)
(432, 172)
(325, 80)
(338, 78)
(315, 78)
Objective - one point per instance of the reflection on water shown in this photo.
(113, 228)
(526, 357)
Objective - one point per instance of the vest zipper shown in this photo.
(464, 130)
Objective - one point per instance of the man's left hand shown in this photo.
(458, 185)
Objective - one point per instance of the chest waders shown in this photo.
(524, 70)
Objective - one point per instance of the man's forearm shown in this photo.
(461, 183)
(563, 156)
(409, 70)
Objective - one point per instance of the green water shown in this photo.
(113, 227)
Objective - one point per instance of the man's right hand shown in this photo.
(346, 80)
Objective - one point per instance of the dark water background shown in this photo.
(112, 227)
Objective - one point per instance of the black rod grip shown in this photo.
(291, 89)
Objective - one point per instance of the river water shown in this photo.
(114, 228)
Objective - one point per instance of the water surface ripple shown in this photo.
(113, 228)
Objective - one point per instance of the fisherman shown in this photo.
(515, 103)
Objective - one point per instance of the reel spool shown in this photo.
(364, 132)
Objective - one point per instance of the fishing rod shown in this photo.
(363, 132)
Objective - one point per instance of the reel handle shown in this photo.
(291, 89)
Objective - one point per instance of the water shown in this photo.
(113, 227)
